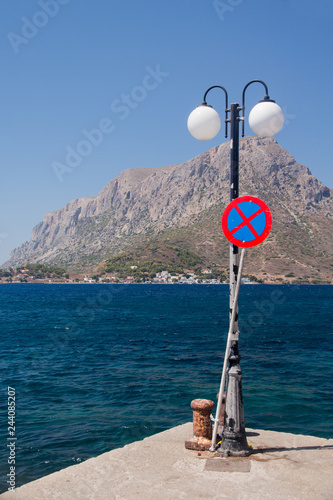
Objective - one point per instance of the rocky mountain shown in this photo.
(183, 204)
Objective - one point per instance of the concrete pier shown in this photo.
(282, 467)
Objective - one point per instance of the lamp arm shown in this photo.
(243, 99)
(226, 104)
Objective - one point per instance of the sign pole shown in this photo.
(231, 334)
(246, 222)
(234, 194)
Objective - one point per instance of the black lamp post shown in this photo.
(265, 119)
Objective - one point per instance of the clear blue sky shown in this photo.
(135, 70)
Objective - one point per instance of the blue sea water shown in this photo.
(95, 367)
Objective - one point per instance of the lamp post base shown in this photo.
(234, 446)
(234, 442)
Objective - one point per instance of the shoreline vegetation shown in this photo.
(121, 269)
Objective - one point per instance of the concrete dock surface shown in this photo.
(283, 467)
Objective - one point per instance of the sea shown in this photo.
(94, 367)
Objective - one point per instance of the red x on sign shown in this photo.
(246, 221)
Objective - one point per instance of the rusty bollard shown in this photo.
(202, 425)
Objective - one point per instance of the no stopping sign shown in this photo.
(246, 221)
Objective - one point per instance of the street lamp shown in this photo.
(265, 119)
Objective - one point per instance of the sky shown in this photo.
(92, 88)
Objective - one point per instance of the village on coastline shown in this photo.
(41, 273)
(38, 273)
(161, 278)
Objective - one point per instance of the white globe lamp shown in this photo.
(266, 118)
(204, 123)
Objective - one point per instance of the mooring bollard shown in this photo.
(202, 425)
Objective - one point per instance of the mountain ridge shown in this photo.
(167, 203)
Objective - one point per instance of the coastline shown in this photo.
(46, 282)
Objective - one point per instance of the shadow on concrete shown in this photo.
(298, 448)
